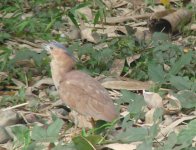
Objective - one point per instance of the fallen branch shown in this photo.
(113, 20)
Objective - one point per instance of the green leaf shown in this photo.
(136, 104)
(26, 54)
(157, 116)
(126, 97)
(94, 139)
(181, 83)
(34, 146)
(72, 13)
(99, 3)
(96, 19)
(4, 58)
(132, 135)
(146, 145)
(38, 134)
(73, 19)
(171, 141)
(187, 98)
(4, 36)
(159, 38)
(50, 25)
(153, 131)
(100, 127)
(81, 143)
(69, 146)
(22, 134)
(178, 65)
(186, 135)
(47, 135)
(22, 25)
(156, 72)
(55, 127)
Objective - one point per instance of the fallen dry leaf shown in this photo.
(165, 131)
(120, 146)
(18, 83)
(101, 46)
(143, 35)
(167, 120)
(87, 34)
(193, 27)
(86, 11)
(153, 100)
(10, 93)
(132, 85)
(124, 113)
(39, 83)
(149, 119)
(113, 20)
(109, 30)
(117, 67)
(173, 106)
(157, 8)
(114, 3)
(9, 117)
(132, 58)
(3, 76)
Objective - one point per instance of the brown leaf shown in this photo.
(3, 76)
(120, 146)
(153, 100)
(117, 67)
(132, 58)
(39, 83)
(114, 3)
(149, 119)
(18, 83)
(165, 131)
(10, 93)
(9, 117)
(173, 106)
(109, 30)
(87, 12)
(113, 20)
(167, 120)
(127, 85)
(193, 27)
(89, 35)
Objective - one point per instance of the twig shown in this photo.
(113, 20)
(38, 114)
(26, 42)
(16, 106)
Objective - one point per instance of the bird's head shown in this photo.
(57, 50)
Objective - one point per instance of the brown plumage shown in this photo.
(77, 89)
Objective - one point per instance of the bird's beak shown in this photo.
(47, 47)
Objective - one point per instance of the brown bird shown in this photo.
(77, 89)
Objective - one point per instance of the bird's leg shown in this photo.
(80, 121)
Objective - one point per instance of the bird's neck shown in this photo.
(59, 68)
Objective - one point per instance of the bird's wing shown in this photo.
(86, 95)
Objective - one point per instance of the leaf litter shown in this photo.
(30, 94)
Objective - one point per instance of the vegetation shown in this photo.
(170, 66)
